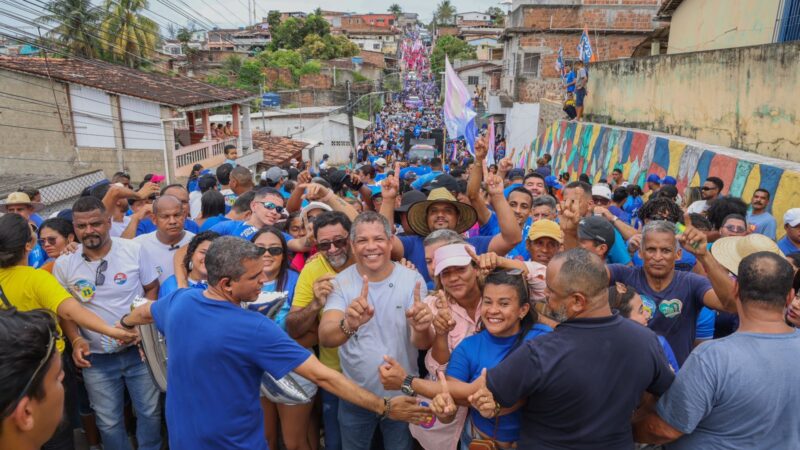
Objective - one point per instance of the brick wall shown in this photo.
(316, 81)
(275, 75)
(532, 90)
(548, 17)
(605, 46)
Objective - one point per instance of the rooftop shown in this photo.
(278, 150)
(173, 91)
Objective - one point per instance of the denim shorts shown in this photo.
(580, 94)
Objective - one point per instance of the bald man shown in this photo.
(160, 245)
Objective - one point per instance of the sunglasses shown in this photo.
(48, 240)
(100, 276)
(338, 243)
(274, 251)
(707, 188)
(272, 206)
(735, 229)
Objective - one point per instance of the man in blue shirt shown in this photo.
(738, 391)
(218, 352)
(791, 224)
(436, 170)
(758, 216)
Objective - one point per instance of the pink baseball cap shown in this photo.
(449, 256)
(157, 178)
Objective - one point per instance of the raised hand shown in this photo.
(494, 183)
(148, 190)
(419, 316)
(406, 409)
(391, 374)
(443, 322)
(570, 215)
(407, 264)
(692, 239)
(486, 262)
(360, 311)
(390, 186)
(443, 405)
(481, 148)
(303, 177)
(316, 192)
(483, 399)
(322, 287)
(145, 210)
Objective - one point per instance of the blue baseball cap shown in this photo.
(653, 178)
(552, 181)
(669, 180)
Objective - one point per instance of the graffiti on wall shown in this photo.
(596, 150)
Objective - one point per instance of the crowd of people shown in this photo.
(424, 305)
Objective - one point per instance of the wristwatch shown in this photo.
(406, 387)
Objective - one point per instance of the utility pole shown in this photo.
(350, 124)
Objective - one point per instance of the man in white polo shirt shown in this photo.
(160, 245)
(106, 274)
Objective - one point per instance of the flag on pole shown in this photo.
(459, 117)
(560, 61)
(585, 52)
(490, 152)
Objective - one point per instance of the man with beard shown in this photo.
(758, 216)
(331, 231)
(563, 404)
(106, 274)
(160, 245)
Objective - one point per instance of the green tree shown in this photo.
(232, 64)
(395, 9)
(273, 19)
(250, 75)
(316, 24)
(454, 48)
(445, 13)
(287, 35)
(498, 16)
(327, 47)
(126, 34)
(77, 28)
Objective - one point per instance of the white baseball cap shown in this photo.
(601, 190)
(792, 217)
(380, 162)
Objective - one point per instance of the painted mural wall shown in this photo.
(597, 149)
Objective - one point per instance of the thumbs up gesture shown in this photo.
(419, 316)
(360, 311)
(391, 374)
(443, 323)
(443, 405)
(483, 399)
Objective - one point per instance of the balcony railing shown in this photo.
(195, 153)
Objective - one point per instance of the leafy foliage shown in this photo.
(445, 13)
(126, 34)
(77, 26)
(498, 16)
(454, 48)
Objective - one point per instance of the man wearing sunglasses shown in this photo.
(267, 209)
(712, 188)
(106, 274)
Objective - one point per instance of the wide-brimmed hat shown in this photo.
(418, 212)
(730, 251)
(20, 198)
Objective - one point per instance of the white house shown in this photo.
(473, 18)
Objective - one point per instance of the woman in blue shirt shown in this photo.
(194, 263)
(295, 419)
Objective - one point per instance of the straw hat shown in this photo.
(730, 251)
(418, 212)
(20, 198)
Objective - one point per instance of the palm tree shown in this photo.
(77, 27)
(395, 9)
(127, 35)
(445, 12)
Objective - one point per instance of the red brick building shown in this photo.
(357, 22)
(534, 33)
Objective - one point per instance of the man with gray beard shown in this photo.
(331, 232)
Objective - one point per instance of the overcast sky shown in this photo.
(213, 11)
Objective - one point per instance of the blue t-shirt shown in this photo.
(738, 392)
(37, 257)
(686, 262)
(291, 282)
(705, 324)
(480, 351)
(36, 219)
(673, 363)
(211, 221)
(764, 224)
(520, 251)
(569, 78)
(620, 213)
(220, 350)
(632, 205)
(240, 228)
(419, 182)
(787, 247)
(674, 310)
(618, 254)
(581, 383)
(170, 285)
(414, 251)
(147, 226)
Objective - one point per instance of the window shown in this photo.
(376, 46)
(528, 64)
(472, 80)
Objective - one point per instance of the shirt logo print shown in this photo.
(84, 289)
(120, 278)
(670, 308)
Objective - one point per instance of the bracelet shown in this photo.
(125, 325)
(387, 408)
(77, 339)
(497, 409)
(347, 331)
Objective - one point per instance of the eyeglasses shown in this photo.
(338, 243)
(48, 240)
(47, 355)
(272, 206)
(735, 229)
(274, 251)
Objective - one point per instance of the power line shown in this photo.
(7, 125)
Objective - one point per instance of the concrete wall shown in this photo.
(711, 24)
(743, 98)
(597, 149)
(522, 125)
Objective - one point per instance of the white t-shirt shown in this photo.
(160, 255)
(126, 274)
(117, 228)
(194, 204)
(698, 207)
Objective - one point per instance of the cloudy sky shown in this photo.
(213, 11)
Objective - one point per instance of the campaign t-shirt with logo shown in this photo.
(122, 281)
(161, 256)
(674, 310)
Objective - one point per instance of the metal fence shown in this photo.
(62, 194)
(788, 26)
